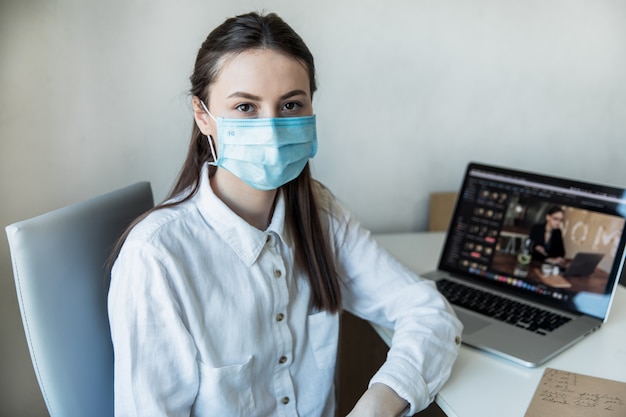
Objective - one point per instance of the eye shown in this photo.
(245, 108)
(292, 106)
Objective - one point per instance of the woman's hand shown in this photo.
(541, 250)
(560, 261)
(379, 401)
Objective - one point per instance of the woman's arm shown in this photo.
(380, 401)
(379, 288)
(155, 367)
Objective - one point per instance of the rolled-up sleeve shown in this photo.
(379, 288)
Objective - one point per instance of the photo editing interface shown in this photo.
(492, 224)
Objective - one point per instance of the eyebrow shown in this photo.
(293, 93)
(249, 96)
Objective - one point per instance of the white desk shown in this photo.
(482, 385)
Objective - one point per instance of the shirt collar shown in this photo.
(246, 240)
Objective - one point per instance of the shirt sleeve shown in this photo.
(152, 375)
(379, 288)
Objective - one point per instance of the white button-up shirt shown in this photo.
(209, 317)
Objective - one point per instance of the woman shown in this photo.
(547, 240)
(225, 300)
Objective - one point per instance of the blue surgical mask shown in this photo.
(264, 153)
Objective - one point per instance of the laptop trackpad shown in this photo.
(471, 324)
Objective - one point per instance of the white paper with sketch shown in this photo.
(568, 394)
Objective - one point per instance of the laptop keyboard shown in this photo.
(521, 315)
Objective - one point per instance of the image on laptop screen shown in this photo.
(499, 235)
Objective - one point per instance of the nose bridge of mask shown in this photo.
(266, 130)
(276, 132)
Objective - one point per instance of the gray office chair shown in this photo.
(59, 264)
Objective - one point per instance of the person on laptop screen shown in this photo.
(225, 300)
(547, 240)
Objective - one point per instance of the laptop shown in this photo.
(486, 270)
(584, 263)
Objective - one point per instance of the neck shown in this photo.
(254, 206)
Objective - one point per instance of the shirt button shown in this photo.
(278, 273)
(282, 359)
(285, 400)
(280, 317)
(457, 340)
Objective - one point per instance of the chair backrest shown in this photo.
(59, 264)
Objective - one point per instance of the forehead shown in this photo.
(258, 71)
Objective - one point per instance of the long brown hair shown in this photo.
(312, 248)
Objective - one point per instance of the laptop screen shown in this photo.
(553, 240)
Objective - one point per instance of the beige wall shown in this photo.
(93, 97)
(584, 231)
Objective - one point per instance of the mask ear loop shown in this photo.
(209, 138)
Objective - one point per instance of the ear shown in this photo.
(203, 120)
